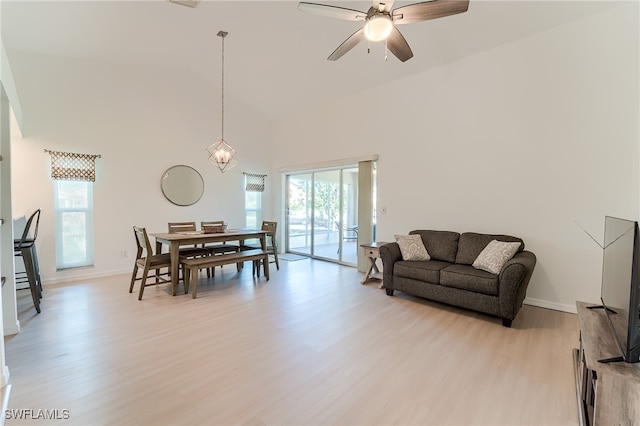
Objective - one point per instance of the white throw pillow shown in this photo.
(495, 255)
(412, 247)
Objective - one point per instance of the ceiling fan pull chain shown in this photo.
(386, 51)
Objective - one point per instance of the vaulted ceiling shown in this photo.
(275, 54)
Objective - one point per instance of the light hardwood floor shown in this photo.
(312, 346)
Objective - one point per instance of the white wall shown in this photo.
(528, 139)
(140, 126)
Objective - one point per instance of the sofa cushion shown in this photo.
(412, 247)
(471, 244)
(495, 255)
(428, 271)
(467, 277)
(441, 245)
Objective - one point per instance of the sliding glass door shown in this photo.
(322, 213)
(299, 213)
(326, 212)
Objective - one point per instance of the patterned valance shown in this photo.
(72, 166)
(254, 182)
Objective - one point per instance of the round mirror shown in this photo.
(182, 185)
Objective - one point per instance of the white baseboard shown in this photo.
(84, 276)
(10, 330)
(5, 377)
(551, 305)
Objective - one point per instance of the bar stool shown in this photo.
(25, 247)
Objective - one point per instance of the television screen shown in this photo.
(620, 285)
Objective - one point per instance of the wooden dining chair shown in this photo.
(217, 248)
(194, 251)
(147, 261)
(175, 227)
(272, 229)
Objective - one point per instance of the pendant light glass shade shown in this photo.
(221, 153)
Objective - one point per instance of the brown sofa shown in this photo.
(449, 277)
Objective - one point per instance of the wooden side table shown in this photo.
(608, 393)
(372, 251)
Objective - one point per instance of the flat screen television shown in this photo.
(620, 292)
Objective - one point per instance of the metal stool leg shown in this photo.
(36, 268)
(31, 275)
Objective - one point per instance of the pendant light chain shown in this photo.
(386, 50)
(223, 35)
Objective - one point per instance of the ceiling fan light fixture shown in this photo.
(378, 27)
(381, 22)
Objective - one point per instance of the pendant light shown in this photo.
(221, 153)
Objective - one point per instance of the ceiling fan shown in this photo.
(380, 22)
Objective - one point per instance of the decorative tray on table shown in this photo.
(214, 229)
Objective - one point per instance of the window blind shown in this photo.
(72, 166)
(254, 182)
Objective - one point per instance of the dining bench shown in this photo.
(192, 266)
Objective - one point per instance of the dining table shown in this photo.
(175, 240)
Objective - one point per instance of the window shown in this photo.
(253, 187)
(73, 205)
(330, 211)
(253, 209)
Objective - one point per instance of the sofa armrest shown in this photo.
(390, 254)
(513, 282)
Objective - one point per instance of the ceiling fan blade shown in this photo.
(383, 6)
(397, 44)
(347, 45)
(428, 10)
(332, 11)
